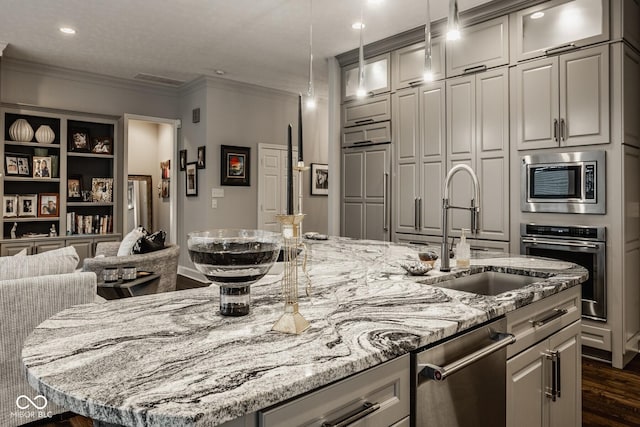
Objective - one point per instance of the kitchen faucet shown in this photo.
(474, 208)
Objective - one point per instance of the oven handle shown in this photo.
(562, 243)
(440, 373)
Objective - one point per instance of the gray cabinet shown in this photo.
(559, 25)
(563, 100)
(365, 192)
(631, 95)
(377, 77)
(419, 135)
(84, 247)
(481, 46)
(478, 135)
(380, 396)
(407, 64)
(374, 133)
(366, 111)
(40, 247)
(10, 249)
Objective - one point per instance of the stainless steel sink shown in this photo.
(488, 283)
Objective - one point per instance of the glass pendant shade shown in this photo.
(428, 74)
(453, 26)
(311, 101)
(361, 92)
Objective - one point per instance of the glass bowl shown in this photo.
(234, 259)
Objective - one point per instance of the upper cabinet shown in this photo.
(562, 100)
(407, 64)
(557, 26)
(377, 72)
(481, 46)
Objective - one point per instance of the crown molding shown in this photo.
(24, 66)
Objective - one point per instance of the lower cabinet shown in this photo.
(83, 247)
(376, 397)
(10, 249)
(544, 380)
(41, 247)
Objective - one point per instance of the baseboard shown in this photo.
(192, 274)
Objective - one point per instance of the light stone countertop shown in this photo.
(170, 359)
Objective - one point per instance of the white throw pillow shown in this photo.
(57, 261)
(126, 246)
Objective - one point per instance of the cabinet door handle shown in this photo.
(415, 213)
(553, 392)
(555, 129)
(366, 141)
(385, 189)
(558, 377)
(416, 82)
(359, 122)
(475, 69)
(353, 416)
(419, 213)
(563, 127)
(559, 49)
(558, 312)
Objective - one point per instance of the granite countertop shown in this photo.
(170, 359)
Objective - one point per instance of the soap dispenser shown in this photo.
(463, 252)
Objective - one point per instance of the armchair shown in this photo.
(24, 304)
(163, 262)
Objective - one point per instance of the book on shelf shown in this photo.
(89, 224)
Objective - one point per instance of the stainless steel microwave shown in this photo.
(571, 182)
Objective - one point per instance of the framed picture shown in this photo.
(23, 165)
(102, 145)
(74, 188)
(164, 191)
(165, 168)
(202, 159)
(41, 167)
(10, 206)
(102, 189)
(27, 204)
(130, 194)
(48, 204)
(183, 160)
(319, 179)
(236, 167)
(79, 140)
(10, 164)
(192, 179)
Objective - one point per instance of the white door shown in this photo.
(272, 184)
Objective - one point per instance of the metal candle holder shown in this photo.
(291, 321)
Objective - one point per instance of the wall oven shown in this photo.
(563, 182)
(585, 246)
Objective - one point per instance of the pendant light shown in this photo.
(361, 92)
(453, 28)
(428, 72)
(311, 100)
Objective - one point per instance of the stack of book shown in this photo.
(89, 224)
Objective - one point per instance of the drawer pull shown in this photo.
(559, 49)
(558, 312)
(353, 416)
(366, 141)
(475, 69)
(359, 122)
(416, 82)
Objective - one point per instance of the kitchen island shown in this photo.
(170, 359)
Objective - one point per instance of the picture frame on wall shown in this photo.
(10, 164)
(183, 160)
(319, 179)
(235, 165)
(74, 188)
(102, 190)
(41, 167)
(202, 157)
(79, 140)
(102, 145)
(10, 206)
(48, 204)
(164, 190)
(24, 162)
(192, 179)
(27, 205)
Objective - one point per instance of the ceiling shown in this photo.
(264, 42)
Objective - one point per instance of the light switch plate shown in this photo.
(217, 192)
(214, 203)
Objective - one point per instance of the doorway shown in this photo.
(150, 151)
(272, 182)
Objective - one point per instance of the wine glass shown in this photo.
(234, 259)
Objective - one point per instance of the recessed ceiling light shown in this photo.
(358, 25)
(537, 15)
(67, 30)
(220, 72)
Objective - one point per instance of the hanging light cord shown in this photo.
(361, 51)
(310, 88)
(427, 46)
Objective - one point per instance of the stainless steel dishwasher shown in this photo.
(462, 382)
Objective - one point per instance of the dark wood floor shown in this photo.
(610, 397)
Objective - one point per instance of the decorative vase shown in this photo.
(55, 164)
(21, 131)
(45, 135)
